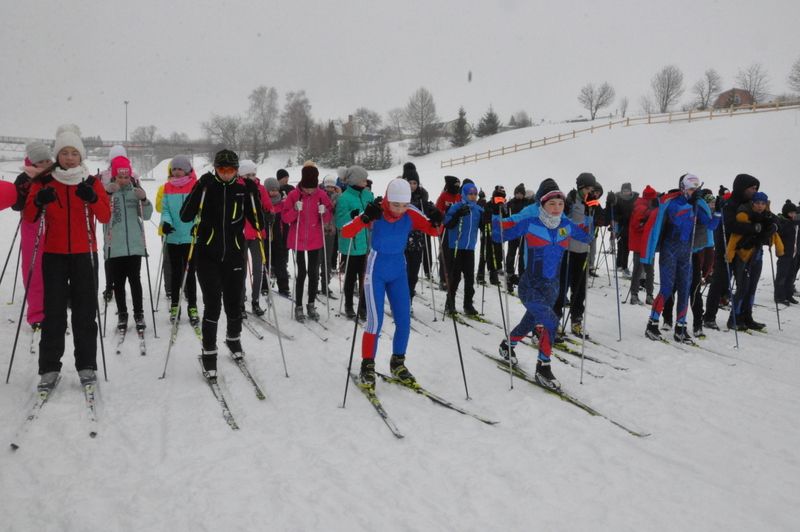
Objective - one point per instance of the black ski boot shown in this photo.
(138, 319)
(311, 310)
(366, 379)
(544, 376)
(681, 334)
(256, 309)
(298, 313)
(194, 316)
(652, 330)
(739, 325)
(349, 313)
(235, 346)
(667, 325)
(506, 352)
(698, 332)
(470, 310)
(122, 321)
(450, 307)
(87, 376)
(48, 381)
(751, 323)
(399, 370)
(710, 324)
(209, 359)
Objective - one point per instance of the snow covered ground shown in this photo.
(722, 454)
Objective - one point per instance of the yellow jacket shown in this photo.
(745, 254)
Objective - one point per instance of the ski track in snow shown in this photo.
(722, 454)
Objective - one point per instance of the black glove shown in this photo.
(206, 180)
(462, 211)
(166, 228)
(372, 211)
(86, 192)
(354, 213)
(251, 186)
(435, 217)
(696, 195)
(269, 218)
(45, 196)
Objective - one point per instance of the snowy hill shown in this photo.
(721, 454)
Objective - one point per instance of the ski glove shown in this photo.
(166, 228)
(45, 196)
(112, 188)
(372, 211)
(354, 213)
(321, 208)
(462, 211)
(86, 192)
(435, 217)
(298, 205)
(140, 194)
(251, 187)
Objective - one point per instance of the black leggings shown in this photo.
(313, 275)
(127, 269)
(178, 253)
(353, 274)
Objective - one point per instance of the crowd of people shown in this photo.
(227, 225)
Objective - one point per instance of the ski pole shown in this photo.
(565, 286)
(506, 324)
(89, 234)
(428, 257)
(147, 267)
(269, 292)
(161, 266)
(10, 249)
(455, 326)
(325, 263)
(39, 232)
(294, 260)
(772, 267)
(16, 275)
(585, 306)
(730, 285)
(174, 330)
(352, 349)
(616, 282)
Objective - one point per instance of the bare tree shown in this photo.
(144, 134)
(521, 119)
(224, 130)
(296, 118)
(794, 76)
(420, 116)
(369, 120)
(623, 106)
(667, 87)
(593, 99)
(754, 80)
(646, 105)
(707, 89)
(262, 119)
(395, 118)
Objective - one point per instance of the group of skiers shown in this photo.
(210, 226)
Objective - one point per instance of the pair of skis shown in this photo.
(121, 333)
(220, 397)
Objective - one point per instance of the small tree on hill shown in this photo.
(461, 131)
(489, 124)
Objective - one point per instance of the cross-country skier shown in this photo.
(463, 221)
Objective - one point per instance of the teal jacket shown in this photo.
(350, 200)
(123, 234)
(171, 203)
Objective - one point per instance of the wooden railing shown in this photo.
(666, 118)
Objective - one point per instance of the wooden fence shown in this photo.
(666, 118)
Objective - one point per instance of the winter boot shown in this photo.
(544, 376)
(209, 359)
(698, 332)
(681, 334)
(667, 325)
(349, 312)
(122, 321)
(298, 313)
(311, 310)
(138, 319)
(256, 309)
(480, 279)
(578, 330)
(635, 300)
(470, 310)
(173, 313)
(652, 331)
(739, 326)
(362, 313)
(493, 279)
(235, 346)
(87, 376)
(710, 324)
(751, 323)
(48, 381)
(399, 370)
(366, 379)
(560, 337)
(194, 317)
(506, 352)
(450, 307)
(792, 300)
(649, 300)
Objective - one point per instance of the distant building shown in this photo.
(733, 97)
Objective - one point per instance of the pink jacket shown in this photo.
(250, 231)
(308, 220)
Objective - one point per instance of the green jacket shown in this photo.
(123, 234)
(350, 200)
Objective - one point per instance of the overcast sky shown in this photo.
(177, 62)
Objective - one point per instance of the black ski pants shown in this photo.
(573, 280)
(178, 255)
(127, 269)
(221, 283)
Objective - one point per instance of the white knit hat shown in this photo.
(246, 166)
(69, 135)
(117, 150)
(398, 191)
(329, 181)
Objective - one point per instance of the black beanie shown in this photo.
(309, 177)
(226, 158)
(499, 192)
(546, 187)
(410, 172)
(450, 180)
(585, 179)
(280, 174)
(520, 189)
(788, 207)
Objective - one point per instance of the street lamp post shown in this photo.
(126, 121)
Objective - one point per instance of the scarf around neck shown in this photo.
(551, 222)
(73, 176)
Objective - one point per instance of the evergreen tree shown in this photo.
(489, 124)
(461, 132)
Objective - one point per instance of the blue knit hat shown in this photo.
(760, 196)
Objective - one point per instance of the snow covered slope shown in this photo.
(721, 455)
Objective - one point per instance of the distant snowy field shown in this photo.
(722, 454)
